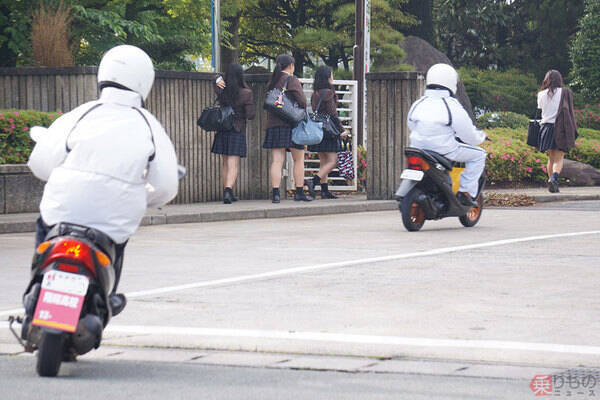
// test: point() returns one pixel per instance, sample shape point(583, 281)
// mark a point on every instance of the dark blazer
point(328, 104)
point(243, 107)
point(565, 127)
point(294, 91)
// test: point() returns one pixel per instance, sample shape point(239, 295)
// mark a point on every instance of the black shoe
point(465, 199)
point(276, 196)
point(311, 183)
point(227, 196)
point(302, 197)
point(328, 195)
point(117, 301)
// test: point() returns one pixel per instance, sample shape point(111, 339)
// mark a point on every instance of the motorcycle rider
point(437, 121)
point(107, 160)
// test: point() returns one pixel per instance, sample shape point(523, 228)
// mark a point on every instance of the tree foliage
point(585, 53)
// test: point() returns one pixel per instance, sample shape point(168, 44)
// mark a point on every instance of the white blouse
point(549, 105)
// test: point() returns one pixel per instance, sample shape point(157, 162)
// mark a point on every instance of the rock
point(421, 55)
point(580, 174)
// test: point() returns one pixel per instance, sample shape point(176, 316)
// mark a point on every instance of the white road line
point(351, 339)
point(318, 267)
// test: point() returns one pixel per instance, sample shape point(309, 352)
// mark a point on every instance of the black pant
point(42, 229)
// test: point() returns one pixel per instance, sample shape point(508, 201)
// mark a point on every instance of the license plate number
point(412, 175)
point(61, 300)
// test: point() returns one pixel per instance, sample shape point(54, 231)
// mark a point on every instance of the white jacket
point(101, 181)
point(436, 118)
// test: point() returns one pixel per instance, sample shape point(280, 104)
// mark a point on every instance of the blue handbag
point(307, 131)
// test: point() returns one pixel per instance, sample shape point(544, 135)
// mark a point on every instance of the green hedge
point(588, 117)
point(502, 119)
point(491, 90)
point(511, 160)
point(15, 144)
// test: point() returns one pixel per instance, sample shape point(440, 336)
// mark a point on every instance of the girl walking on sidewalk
point(233, 91)
point(559, 130)
point(279, 133)
point(324, 93)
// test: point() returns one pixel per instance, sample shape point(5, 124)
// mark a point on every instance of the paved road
point(351, 293)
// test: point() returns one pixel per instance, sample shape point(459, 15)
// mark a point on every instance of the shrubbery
point(588, 117)
point(15, 144)
point(491, 90)
point(502, 119)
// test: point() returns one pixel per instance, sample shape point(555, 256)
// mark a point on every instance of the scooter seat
point(448, 164)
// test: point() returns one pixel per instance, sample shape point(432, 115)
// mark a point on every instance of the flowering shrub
point(502, 119)
point(361, 163)
point(588, 117)
point(15, 144)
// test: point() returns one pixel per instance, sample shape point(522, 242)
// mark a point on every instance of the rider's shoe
point(117, 301)
point(465, 199)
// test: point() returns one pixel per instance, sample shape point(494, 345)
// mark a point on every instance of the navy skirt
point(280, 137)
point(547, 141)
point(327, 145)
point(230, 143)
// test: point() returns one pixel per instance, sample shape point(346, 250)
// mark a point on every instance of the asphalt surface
point(308, 307)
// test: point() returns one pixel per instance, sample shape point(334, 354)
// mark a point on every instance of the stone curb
point(21, 223)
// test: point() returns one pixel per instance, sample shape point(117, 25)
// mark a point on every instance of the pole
point(215, 28)
point(359, 51)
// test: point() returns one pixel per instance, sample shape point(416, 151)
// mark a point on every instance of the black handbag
point(282, 106)
point(330, 127)
point(533, 133)
point(216, 118)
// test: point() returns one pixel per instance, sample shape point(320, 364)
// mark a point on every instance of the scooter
point(67, 300)
point(428, 190)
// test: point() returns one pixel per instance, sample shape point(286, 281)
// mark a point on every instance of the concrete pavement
point(257, 209)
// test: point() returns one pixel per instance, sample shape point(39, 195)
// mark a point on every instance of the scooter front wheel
point(50, 354)
point(472, 217)
point(413, 215)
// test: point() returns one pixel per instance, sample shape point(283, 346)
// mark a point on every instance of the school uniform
point(558, 128)
point(233, 143)
point(328, 106)
point(279, 132)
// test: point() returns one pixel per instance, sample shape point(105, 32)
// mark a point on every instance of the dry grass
point(50, 36)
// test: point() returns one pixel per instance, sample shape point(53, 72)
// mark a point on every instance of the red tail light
point(417, 163)
point(72, 250)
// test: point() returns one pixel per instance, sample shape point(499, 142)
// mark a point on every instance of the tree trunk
point(231, 55)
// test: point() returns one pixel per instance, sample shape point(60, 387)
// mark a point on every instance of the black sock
point(316, 180)
point(299, 190)
point(555, 176)
point(324, 187)
point(275, 191)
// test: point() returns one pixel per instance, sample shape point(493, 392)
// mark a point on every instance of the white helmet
point(129, 67)
point(443, 75)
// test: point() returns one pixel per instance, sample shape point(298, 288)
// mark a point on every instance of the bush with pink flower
point(15, 144)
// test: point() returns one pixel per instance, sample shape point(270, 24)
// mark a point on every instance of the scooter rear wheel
point(413, 215)
point(50, 354)
point(474, 214)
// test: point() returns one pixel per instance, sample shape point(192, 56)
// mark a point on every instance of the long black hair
point(281, 62)
point(552, 81)
point(234, 81)
point(322, 78)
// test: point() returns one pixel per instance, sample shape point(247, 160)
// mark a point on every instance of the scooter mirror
point(181, 172)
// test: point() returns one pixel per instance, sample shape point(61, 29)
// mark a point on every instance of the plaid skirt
point(327, 145)
point(547, 141)
point(280, 137)
point(230, 143)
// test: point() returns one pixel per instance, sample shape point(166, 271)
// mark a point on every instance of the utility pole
point(215, 18)
point(362, 61)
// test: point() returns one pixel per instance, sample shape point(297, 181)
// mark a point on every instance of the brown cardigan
point(294, 91)
point(244, 108)
point(565, 127)
point(328, 105)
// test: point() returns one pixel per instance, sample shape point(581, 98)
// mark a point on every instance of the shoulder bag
point(282, 106)
point(533, 133)
point(307, 131)
point(345, 162)
point(216, 118)
point(330, 128)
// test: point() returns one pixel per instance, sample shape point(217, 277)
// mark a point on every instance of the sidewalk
point(255, 209)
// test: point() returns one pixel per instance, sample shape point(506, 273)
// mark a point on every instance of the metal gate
point(347, 94)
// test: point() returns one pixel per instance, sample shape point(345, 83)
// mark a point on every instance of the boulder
point(580, 174)
point(421, 55)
